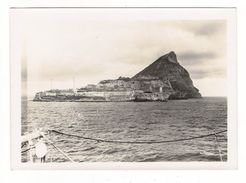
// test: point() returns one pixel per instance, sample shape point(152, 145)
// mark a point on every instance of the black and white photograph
point(122, 85)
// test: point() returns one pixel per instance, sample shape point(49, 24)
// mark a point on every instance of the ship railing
point(32, 138)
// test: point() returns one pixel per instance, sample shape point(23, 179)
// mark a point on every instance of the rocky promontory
point(164, 79)
point(167, 68)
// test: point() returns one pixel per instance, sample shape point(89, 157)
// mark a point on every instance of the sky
point(59, 46)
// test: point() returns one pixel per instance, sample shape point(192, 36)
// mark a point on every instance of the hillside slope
point(168, 68)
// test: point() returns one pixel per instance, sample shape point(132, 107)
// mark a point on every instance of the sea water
point(131, 121)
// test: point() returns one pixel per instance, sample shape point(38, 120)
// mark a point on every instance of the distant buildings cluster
point(121, 88)
point(122, 84)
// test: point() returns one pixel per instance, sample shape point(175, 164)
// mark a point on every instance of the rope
point(218, 146)
point(23, 145)
point(27, 150)
point(58, 149)
point(137, 142)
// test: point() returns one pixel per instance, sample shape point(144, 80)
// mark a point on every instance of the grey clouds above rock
point(193, 56)
point(62, 45)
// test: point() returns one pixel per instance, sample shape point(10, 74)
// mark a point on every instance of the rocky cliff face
point(167, 68)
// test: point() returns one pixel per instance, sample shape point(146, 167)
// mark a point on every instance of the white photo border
point(229, 14)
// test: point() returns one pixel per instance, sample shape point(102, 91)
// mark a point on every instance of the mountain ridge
point(168, 68)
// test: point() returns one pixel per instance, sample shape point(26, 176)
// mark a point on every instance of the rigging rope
point(59, 150)
point(27, 149)
point(136, 142)
point(218, 146)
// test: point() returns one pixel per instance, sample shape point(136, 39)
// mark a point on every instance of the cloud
point(204, 28)
point(208, 29)
point(207, 73)
point(102, 46)
point(194, 58)
point(197, 56)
